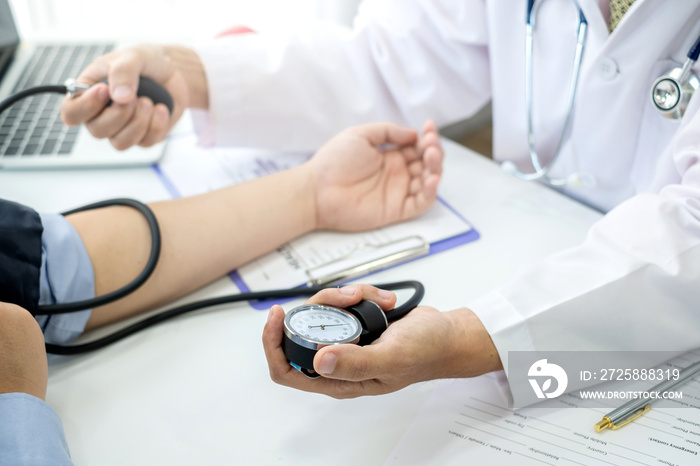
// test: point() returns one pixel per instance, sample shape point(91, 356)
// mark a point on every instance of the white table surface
point(196, 390)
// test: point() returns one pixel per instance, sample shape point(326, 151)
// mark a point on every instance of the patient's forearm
point(204, 237)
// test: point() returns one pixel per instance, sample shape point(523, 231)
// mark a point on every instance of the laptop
point(32, 135)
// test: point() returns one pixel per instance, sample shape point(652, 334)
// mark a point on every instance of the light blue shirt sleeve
point(66, 275)
point(31, 433)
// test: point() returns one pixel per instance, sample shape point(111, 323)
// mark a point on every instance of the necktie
point(618, 8)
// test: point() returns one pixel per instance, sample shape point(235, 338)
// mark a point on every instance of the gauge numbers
point(324, 324)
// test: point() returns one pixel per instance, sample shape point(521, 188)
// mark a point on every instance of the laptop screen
point(9, 38)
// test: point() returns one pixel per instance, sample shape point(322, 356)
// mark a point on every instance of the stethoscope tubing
point(542, 171)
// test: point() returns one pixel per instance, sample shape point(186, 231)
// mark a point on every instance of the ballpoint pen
point(632, 410)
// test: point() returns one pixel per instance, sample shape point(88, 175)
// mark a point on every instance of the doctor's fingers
point(123, 68)
point(359, 370)
point(111, 120)
point(86, 106)
point(282, 373)
point(353, 294)
point(272, 344)
point(148, 125)
point(160, 125)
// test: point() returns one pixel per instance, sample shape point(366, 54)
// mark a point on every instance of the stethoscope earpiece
point(581, 180)
point(576, 179)
point(509, 168)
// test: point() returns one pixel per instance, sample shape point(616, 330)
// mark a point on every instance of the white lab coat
point(408, 60)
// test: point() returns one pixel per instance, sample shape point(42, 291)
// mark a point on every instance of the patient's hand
point(372, 175)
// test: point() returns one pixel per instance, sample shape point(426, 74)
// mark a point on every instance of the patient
point(365, 177)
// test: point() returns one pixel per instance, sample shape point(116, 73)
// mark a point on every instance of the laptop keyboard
point(33, 126)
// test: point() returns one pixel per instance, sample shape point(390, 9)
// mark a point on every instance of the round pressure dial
point(310, 327)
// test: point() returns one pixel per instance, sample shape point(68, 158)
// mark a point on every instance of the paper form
point(467, 422)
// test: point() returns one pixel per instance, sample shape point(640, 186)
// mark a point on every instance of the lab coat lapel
point(597, 24)
point(663, 18)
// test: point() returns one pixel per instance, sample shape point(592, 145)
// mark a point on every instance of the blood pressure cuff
point(20, 255)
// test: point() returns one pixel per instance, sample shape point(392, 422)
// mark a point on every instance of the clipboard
point(395, 252)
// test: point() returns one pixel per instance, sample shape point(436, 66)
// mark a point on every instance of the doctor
point(639, 268)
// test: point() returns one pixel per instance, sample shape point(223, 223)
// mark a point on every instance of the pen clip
point(607, 422)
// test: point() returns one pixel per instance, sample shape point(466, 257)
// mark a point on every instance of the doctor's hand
point(131, 120)
point(424, 345)
point(372, 175)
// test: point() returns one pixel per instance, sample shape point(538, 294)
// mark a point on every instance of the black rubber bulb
point(154, 91)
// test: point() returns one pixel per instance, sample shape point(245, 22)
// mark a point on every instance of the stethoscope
point(670, 95)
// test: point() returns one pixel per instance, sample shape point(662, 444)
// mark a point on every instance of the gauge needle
point(323, 326)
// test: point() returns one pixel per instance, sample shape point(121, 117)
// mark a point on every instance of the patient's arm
point(350, 184)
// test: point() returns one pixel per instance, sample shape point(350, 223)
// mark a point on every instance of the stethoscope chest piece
point(672, 91)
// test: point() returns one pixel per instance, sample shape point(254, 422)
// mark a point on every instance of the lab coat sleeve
point(404, 61)
point(633, 285)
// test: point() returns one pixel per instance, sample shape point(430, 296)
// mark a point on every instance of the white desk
point(196, 390)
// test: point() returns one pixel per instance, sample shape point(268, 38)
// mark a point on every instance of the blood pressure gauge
point(310, 327)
